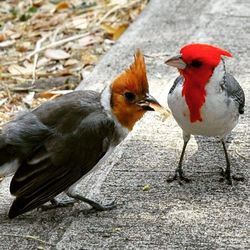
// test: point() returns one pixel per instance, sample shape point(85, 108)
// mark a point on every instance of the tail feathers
point(20, 206)
point(17, 208)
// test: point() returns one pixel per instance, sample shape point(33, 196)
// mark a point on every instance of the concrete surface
point(204, 214)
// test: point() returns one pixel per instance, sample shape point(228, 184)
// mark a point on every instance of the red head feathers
point(200, 60)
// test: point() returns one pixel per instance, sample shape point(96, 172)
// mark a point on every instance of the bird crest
point(204, 52)
point(134, 78)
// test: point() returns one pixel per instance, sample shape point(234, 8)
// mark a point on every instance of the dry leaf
point(119, 30)
point(15, 69)
point(2, 37)
point(88, 58)
point(23, 47)
point(78, 22)
point(56, 54)
point(37, 3)
point(89, 40)
point(46, 95)
point(28, 65)
point(7, 43)
point(42, 62)
point(71, 62)
point(16, 35)
point(53, 93)
point(108, 28)
point(62, 6)
point(114, 32)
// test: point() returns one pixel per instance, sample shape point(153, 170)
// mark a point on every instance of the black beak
point(176, 62)
point(147, 101)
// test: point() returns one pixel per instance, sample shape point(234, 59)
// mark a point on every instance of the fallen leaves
point(115, 31)
point(44, 42)
point(62, 6)
point(56, 54)
point(16, 70)
point(7, 43)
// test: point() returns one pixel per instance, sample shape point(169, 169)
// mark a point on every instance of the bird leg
point(227, 172)
point(94, 204)
point(179, 176)
point(58, 203)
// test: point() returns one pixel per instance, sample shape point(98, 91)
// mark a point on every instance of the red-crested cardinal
point(204, 99)
point(52, 147)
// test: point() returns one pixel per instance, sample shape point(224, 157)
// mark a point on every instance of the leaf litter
point(48, 46)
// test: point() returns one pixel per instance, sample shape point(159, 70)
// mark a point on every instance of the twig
point(8, 94)
point(115, 8)
point(38, 46)
point(42, 74)
point(55, 44)
point(29, 237)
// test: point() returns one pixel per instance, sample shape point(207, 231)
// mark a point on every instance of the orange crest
point(133, 79)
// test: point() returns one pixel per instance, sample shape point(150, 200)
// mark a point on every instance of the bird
point(205, 99)
point(49, 149)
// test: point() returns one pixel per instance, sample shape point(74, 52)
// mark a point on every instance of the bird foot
point(57, 204)
point(103, 207)
point(226, 175)
point(179, 176)
point(97, 206)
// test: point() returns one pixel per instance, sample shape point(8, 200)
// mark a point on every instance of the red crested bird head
point(196, 63)
point(130, 97)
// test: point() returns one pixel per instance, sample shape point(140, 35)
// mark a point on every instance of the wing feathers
point(60, 161)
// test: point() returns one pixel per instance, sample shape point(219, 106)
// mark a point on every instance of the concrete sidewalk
point(204, 214)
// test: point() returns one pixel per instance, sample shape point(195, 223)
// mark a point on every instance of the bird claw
point(229, 177)
point(105, 207)
point(179, 176)
point(95, 205)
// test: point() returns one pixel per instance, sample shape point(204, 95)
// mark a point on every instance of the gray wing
point(74, 146)
point(234, 90)
point(178, 80)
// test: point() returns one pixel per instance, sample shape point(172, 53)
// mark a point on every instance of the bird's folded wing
point(178, 80)
point(60, 161)
point(234, 90)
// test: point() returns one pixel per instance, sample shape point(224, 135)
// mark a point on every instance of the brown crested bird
point(52, 147)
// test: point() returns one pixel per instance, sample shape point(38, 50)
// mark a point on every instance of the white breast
point(219, 113)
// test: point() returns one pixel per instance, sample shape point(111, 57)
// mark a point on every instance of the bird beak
point(176, 62)
point(148, 103)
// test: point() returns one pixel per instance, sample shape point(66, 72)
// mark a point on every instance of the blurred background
point(48, 46)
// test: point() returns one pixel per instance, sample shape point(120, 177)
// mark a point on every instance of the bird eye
point(130, 96)
point(196, 63)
